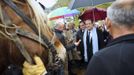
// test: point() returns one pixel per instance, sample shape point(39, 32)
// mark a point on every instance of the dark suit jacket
point(101, 43)
point(101, 39)
point(116, 59)
point(79, 36)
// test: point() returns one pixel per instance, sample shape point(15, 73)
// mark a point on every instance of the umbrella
point(83, 3)
point(61, 13)
point(94, 14)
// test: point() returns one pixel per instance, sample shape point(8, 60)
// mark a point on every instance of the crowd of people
point(100, 51)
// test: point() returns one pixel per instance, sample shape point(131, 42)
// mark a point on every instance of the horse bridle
point(44, 41)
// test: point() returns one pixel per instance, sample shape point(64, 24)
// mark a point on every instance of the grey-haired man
point(118, 57)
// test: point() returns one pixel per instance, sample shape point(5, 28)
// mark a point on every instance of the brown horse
point(9, 51)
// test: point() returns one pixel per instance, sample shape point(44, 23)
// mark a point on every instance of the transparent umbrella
point(83, 3)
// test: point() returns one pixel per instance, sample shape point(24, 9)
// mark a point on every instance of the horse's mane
point(42, 25)
point(40, 19)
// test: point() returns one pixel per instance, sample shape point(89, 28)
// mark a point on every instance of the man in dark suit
point(86, 48)
point(79, 36)
point(118, 57)
point(93, 40)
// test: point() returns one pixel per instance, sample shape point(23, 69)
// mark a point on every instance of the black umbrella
point(83, 3)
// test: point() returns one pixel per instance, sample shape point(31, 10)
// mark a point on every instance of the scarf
point(93, 35)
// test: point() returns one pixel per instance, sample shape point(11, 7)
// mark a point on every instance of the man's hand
point(77, 43)
point(37, 69)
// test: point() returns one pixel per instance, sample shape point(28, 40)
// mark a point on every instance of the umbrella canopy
point(93, 14)
point(83, 3)
point(61, 13)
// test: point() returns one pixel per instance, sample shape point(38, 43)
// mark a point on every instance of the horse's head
point(31, 37)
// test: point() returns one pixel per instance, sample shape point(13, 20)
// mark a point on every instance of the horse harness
point(55, 62)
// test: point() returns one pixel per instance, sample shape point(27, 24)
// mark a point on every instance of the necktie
point(88, 38)
point(89, 46)
point(87, 50)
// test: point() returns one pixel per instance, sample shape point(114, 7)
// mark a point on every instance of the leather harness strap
point(55, 58)
point(31, 36)
point(22, 15)
point(21, 47)
point(30, 24)
point(6, 21)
